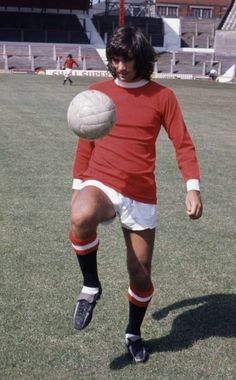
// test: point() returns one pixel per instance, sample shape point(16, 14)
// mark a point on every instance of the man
point(115, 176)
point(213, 74)
point(68, 66)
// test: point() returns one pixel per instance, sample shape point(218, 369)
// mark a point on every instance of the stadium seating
point(46, 56)
point(228, 22)
point(225, 41)
point(10, 34)
point(48, 4)
point(199, 33)
point(152, 27)
point(41, 27)
point(65, 30)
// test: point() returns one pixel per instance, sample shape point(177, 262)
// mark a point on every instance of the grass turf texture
point(190, 324)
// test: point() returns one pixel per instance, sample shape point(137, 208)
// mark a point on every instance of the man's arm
point(75, 63)
point(185, 154)
point(177, 132)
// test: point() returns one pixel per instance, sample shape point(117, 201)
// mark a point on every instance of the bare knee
point(89, 207)
point(83, 222)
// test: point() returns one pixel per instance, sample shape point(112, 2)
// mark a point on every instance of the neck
point(134, 84)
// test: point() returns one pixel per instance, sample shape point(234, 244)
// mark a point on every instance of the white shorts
point(68, 73)
point(133, 215)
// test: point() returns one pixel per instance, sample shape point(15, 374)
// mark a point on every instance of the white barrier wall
point(81, 73)
point(171, 34)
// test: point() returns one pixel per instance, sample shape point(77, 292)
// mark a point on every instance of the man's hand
point(194, 204)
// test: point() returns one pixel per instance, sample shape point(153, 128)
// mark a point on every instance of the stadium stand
point(47, 4)
point(228, 22)
point(198, 33)
point(21, 57)
point(225, 39)
point(37, 37)
point(197, 64)
point(152, 27)
point(41, 27)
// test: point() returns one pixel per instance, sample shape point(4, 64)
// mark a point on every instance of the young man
point(115, 176)
point(68, 66)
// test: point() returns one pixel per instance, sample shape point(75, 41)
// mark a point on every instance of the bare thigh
point(89, 207)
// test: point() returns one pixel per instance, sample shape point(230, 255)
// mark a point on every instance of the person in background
point(67, 67)
point(213, 74)
point(114, 176)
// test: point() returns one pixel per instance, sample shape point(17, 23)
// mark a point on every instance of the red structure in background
point(122, 13)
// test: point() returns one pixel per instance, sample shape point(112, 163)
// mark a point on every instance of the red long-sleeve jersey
point(69, 63)
point(125, 158)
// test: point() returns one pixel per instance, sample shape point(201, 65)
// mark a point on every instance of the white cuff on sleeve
point(76, 183)
point(193, 184)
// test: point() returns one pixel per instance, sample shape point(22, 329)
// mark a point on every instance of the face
point(125, 69)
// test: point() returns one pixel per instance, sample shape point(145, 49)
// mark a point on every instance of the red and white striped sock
point(83, 247)
point(138, 303)
point(140, 298)
point(86, 252)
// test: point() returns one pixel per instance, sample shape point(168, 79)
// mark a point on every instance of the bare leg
point(139, 256)
point(89, 207)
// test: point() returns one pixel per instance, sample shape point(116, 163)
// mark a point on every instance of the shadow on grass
point(212, 315)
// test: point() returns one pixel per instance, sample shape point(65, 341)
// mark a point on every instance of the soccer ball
point(91, 114)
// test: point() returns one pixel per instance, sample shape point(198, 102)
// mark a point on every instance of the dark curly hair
point(127, 42)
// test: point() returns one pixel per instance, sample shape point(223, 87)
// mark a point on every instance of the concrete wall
point(225, 42)
point(171, 34)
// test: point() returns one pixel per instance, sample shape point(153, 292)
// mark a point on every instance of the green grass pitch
point(190, 325)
